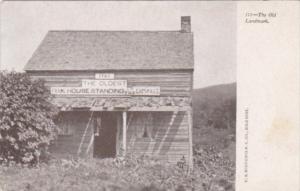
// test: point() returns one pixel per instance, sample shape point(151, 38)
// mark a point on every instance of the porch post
point(124, 132)
point(190, 122)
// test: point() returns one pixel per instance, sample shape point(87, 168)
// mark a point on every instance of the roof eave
point(108, 70)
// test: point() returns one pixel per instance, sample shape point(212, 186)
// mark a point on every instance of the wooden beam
point(161, 108)
point(85, 132)
point(118, 135)
point(124, 114)
point(190, 121)
point(87, 152)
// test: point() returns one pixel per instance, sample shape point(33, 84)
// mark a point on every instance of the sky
point(25, 24)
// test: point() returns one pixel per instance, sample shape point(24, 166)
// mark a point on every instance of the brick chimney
point(185, 24)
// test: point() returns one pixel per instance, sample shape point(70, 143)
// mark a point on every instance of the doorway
point(105, 134)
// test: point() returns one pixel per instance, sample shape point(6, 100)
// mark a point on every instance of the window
point(142, 124)
point(97, 126)
point(65, 124)
point(148, 126)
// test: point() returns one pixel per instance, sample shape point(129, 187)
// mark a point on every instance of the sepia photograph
point(134, 96)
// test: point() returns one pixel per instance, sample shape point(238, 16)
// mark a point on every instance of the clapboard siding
point(69, 144)
point(169, 139)
point(172, 83)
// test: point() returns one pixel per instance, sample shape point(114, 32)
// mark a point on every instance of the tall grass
point(130, 173)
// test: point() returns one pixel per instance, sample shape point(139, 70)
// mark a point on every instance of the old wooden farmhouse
point(120, 92)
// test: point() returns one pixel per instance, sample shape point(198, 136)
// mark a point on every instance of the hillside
point(207, 100)
point(214, 110)
point(214, 94)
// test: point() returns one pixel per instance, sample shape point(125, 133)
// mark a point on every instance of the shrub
point(133, 174)
point(216, 171)
point(26, 125)
point(224, 115)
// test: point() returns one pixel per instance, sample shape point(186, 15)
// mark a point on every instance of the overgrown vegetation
point(130, 173)
point(214, 135)
point(215, 170)
point(26, 126)
point(215, 107)
point(214, 148)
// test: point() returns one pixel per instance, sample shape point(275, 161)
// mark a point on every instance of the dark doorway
point(105, 131)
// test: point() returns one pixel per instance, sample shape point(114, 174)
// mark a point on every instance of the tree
point(224, 116)
point(26, 118)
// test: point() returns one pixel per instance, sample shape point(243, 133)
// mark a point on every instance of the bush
point(125, 173)
point(216, 171)
point(26, 125)
point(224, 115)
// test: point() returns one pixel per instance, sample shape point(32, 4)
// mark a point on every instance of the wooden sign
point(104, 76)
point(106, 88)
point(105, 84)
point(144, 90)
point(88, 91)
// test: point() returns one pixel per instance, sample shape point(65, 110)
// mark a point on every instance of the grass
point(214, 165)
point(212, 172)
point(89, 174)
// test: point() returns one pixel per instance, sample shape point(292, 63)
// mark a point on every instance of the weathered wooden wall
point(68, 144)
point(172, 83)
point(169, 136)
point(169, 130)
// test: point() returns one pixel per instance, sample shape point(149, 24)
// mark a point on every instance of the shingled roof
point(113, 50)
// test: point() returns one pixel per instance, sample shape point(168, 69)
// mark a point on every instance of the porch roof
point(122, 103)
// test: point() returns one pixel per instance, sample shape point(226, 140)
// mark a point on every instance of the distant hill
point(209, 99)
point(214, 118)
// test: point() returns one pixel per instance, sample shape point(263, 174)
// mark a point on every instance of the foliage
point(130, 173)
point(214, 110)
point(216, 171)
point(215, 107)
point(26, 126)
point(212, 172)
point(224, 116)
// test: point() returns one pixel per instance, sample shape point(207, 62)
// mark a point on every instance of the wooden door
point(105, 132)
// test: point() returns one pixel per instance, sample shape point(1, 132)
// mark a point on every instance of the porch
point(109, 127)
